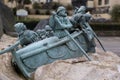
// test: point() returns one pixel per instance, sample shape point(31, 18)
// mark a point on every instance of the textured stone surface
point(7, 72)
point(7, 20)
point(105, 66)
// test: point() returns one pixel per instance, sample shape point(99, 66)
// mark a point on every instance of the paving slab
point(110, 44)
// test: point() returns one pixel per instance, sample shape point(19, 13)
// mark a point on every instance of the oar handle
point(84, 53)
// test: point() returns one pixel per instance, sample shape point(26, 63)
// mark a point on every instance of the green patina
point(61, 39)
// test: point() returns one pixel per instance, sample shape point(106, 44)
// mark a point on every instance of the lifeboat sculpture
point(34, 49)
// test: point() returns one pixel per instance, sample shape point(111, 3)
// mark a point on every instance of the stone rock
point(103, 67)
point(8, 20)
point(3, 77)
point(7, 71)
point(41, 24)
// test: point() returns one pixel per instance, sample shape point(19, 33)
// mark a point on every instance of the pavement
point(110, 44)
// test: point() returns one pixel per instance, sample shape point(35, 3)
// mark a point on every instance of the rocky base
point(7, 72)
point(104, 66)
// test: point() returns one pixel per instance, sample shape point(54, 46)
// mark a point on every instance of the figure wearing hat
point(81, 18)
point(60, 22)
point(25, 36)
point(77, 16)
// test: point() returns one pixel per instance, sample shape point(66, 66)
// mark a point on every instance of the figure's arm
point(11, 48)
point(85, 19)
point(58, 23)
point(69, 24)
point(62, 25)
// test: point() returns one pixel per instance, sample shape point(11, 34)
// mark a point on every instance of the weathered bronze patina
point(61, 39)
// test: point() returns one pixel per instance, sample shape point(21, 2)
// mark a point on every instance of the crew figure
point(25, 36)
point(59, 22)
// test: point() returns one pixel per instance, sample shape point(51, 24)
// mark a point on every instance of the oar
point(95, 36)
point(84, 53)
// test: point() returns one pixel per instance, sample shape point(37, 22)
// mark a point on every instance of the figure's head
point(20, 27)
point(87, 16)
point(82, 10)
point(61, 11)
point(48, 28)
point(41, 31)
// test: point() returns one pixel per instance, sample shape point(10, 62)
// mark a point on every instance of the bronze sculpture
point(55, 42)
